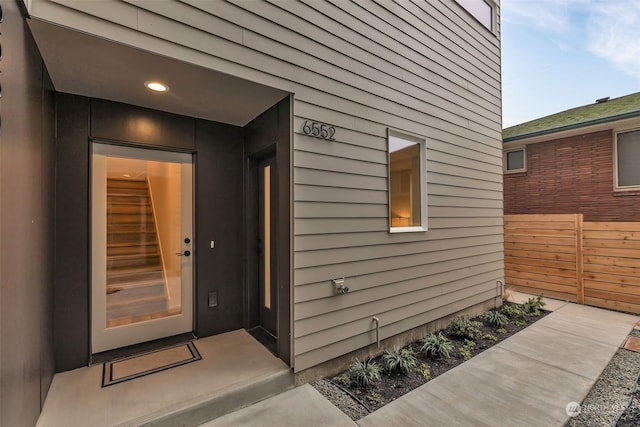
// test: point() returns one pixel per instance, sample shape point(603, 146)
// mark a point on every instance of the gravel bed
point(606, 402)
point(343, 401)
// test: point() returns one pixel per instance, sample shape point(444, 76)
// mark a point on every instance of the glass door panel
point(141, 245)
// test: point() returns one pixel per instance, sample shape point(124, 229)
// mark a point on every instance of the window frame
point(422, 142)
point(616, 186)
point(505, 163)
point(494, 15)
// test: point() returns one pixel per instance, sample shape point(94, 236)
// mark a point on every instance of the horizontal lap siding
point(424, 67)
point(341, 210)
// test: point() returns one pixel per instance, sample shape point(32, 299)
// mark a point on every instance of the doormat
point(137, 366)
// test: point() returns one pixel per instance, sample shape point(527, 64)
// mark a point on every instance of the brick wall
point(571, 175)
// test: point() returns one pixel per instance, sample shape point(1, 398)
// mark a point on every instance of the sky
point(560, 54)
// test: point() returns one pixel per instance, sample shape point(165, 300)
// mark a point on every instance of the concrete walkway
point(526, 380)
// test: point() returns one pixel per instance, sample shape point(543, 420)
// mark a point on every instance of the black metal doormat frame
point(107, 368)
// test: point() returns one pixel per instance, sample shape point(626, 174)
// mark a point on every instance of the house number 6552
point(319, 130)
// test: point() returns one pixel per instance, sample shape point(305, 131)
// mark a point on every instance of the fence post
point(579, 259)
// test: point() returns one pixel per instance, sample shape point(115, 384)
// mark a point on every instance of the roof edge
point(572, 127)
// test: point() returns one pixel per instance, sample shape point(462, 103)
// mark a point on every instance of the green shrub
point(374, 398)
point(491, 337)
point(501, 330)
point(513, 312)
point(463, 327)
point(425, 371)
point(364, 374)
point(344, 380)
point(466, 349)
point(533, 305)
point(436, 345)
point(399, 360)
point(495, 318)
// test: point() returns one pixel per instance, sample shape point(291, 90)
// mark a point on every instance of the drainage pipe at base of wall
point(375, 319)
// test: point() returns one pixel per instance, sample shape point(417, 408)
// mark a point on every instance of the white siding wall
point(422, 66)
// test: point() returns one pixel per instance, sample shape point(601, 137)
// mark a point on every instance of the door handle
point(185, 253)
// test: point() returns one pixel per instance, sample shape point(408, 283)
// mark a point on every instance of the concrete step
point(225, 401)
point(302, 406)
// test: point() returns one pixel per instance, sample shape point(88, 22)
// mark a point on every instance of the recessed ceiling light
point(157, 86)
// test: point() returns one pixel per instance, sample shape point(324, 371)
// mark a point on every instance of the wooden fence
point(561, 256)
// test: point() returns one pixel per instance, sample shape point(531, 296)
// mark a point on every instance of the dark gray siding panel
point(26, 231)
point(137, 125)
point(283, 157)
point(71, 295)
point(219, 204)
point(48, 199)
point(269, 132)
point(266, 135)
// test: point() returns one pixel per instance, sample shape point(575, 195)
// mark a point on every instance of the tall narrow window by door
point(266, 209)
point(267, 280)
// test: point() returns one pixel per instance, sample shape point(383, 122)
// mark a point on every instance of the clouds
point(614, 34)
point(609, 29)
point(554, 16)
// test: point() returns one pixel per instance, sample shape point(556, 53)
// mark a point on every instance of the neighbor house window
point(627, 151)
point(407, 183)
point(515, 161)
point(482, 10)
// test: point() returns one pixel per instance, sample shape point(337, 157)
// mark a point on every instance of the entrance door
point(142, 250)
point(268, 289)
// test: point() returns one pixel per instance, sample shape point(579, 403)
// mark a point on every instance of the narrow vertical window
point(407, 183)
point(267, 236)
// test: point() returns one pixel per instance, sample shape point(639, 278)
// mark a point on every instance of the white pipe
point(375, 319)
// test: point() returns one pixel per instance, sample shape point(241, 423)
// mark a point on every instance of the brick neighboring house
point(583, 160)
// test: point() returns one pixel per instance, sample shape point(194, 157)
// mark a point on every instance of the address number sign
point(319, 130)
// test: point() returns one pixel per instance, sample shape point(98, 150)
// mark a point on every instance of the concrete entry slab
point(235, 371)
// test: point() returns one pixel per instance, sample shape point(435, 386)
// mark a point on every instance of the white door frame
point(103, 338)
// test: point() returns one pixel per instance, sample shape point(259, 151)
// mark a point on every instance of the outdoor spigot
point(340, 287)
